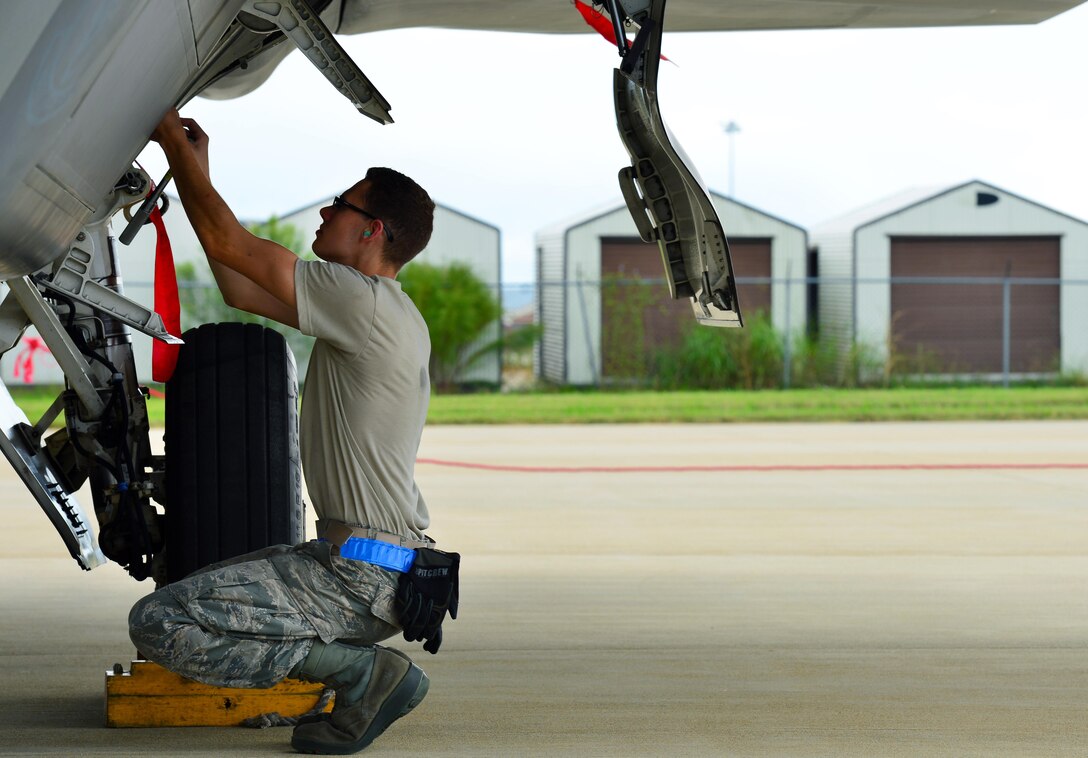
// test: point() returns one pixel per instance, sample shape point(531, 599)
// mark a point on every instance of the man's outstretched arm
point(254, 274)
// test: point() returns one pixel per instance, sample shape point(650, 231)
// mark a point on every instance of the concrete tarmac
point(810, 612)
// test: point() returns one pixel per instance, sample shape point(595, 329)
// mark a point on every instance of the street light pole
point(731, 130)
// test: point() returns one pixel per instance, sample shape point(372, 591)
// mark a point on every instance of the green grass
point(35, 401)
point(768, 405)
point(913, 404)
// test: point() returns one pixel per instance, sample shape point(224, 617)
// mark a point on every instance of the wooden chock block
point(148, 695)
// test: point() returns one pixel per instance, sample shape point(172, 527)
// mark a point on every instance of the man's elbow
point(232, 300)
point(238, 300)
point(226, 244)
point(221, 251)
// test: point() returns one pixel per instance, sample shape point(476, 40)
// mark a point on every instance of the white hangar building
point(456, 238)
point(881, 265)
point(574, 258)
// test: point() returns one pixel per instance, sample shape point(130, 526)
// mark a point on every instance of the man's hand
point(253, 274)
point(168, 128)
point(176, 133)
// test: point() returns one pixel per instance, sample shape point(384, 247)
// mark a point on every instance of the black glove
point(427, 591)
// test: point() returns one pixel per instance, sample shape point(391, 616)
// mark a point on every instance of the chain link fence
point(813, 331)
point(803, 331)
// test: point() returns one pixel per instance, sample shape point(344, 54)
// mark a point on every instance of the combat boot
point(374, 687)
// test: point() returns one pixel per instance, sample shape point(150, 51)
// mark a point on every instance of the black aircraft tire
point(233, 472)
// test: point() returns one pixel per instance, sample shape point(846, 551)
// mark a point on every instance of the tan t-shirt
point(365, 398)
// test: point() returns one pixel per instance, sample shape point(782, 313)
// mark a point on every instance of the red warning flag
point(164, 357)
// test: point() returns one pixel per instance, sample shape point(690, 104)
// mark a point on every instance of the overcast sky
point(519, 130)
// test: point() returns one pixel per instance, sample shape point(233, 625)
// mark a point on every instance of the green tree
point(202, 303)
point(457, 306)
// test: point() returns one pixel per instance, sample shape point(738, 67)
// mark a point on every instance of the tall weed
point(712, 358)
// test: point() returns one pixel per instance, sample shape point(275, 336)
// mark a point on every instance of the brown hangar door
point(957, 328)
point(638, 317)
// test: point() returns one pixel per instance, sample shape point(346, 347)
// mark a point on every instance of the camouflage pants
point(248, 621)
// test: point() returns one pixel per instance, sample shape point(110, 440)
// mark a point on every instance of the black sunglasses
point(339, 202)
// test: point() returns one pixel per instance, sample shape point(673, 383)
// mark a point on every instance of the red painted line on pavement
point(755, 468)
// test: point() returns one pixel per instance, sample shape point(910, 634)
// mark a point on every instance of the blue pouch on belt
point(384, 554)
